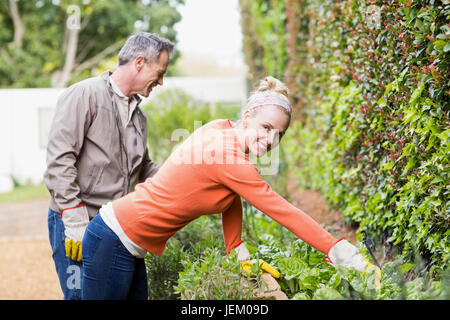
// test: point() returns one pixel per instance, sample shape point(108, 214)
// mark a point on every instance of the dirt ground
point(27, 270)
point(313, 203)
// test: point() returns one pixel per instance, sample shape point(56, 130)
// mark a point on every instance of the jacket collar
point(105, 76)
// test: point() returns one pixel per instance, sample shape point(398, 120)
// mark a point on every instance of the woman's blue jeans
point(110, 271)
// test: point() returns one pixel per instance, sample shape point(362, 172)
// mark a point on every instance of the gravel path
point(27, 270)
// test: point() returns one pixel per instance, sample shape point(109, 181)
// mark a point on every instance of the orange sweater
point(207, 174)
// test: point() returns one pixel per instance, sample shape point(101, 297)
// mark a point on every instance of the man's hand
point(75, 221)
point(73, 249)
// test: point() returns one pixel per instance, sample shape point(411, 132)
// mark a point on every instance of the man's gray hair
point(145, 44)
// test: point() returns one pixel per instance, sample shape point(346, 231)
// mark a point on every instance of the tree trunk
point(19, 28)
point(62, 77)
point(65, 74)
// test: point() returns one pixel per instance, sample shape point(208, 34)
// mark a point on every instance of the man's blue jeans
point(110, 271)
point(69, 271)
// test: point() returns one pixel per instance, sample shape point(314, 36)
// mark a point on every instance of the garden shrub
point(370, 84)
point(187, 244)
point(216, 277)
point(162, 272)
point(306, 276)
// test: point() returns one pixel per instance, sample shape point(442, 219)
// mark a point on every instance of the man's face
point(149, 75)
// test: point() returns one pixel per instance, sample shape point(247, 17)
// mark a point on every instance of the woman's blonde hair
point(270, 83)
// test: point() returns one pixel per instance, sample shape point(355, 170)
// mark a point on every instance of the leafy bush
point(195, 265)
point(215, 277)
point(305, 275)
point(370, 83)
point(188, 244)
point(162, 272)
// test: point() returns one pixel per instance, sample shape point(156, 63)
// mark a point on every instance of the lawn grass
point(24, 193)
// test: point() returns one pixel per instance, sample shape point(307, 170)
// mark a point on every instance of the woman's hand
point(343, 253)
point(242, 252)
point(243, 255)
point(264, 266)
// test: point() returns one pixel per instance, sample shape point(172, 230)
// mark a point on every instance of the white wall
point(23, 154)
point(26, 114)
point(210, 89)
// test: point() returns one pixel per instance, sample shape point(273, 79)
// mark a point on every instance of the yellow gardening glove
point(377, 272)
point(73, 249)
point(268, 268)
point(75, 221)
point(246, 266)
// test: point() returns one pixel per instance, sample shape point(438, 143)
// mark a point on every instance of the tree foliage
point(47, 43)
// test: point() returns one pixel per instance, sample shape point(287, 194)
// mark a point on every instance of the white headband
point(264, 98)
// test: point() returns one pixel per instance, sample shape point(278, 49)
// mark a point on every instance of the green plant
point(215, 277)
point(305, 275)
point(303, 269)
point(203, 271)
point(162, 272)
point(187, 244)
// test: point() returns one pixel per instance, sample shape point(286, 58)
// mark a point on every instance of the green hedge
point(370, 82)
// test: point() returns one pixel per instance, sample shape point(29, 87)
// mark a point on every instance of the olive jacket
point(87, 163)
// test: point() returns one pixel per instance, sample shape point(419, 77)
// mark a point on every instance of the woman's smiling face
point(263, 128)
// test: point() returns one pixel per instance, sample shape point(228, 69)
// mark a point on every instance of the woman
point(207, 174)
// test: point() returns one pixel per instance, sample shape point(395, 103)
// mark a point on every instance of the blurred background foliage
point(174, 110)
point(54, 43)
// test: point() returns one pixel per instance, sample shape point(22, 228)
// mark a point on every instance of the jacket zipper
point(122, 144)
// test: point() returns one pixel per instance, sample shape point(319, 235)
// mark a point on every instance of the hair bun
point(270, 83)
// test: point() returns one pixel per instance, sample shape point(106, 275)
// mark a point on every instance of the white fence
point(26, 115)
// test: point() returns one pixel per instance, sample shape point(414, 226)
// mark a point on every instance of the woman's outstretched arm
point(244, 179)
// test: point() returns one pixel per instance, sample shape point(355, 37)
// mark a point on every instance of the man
point(97, 149)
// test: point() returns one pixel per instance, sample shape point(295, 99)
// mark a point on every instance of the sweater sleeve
point(232, 224)
point(243, 178)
